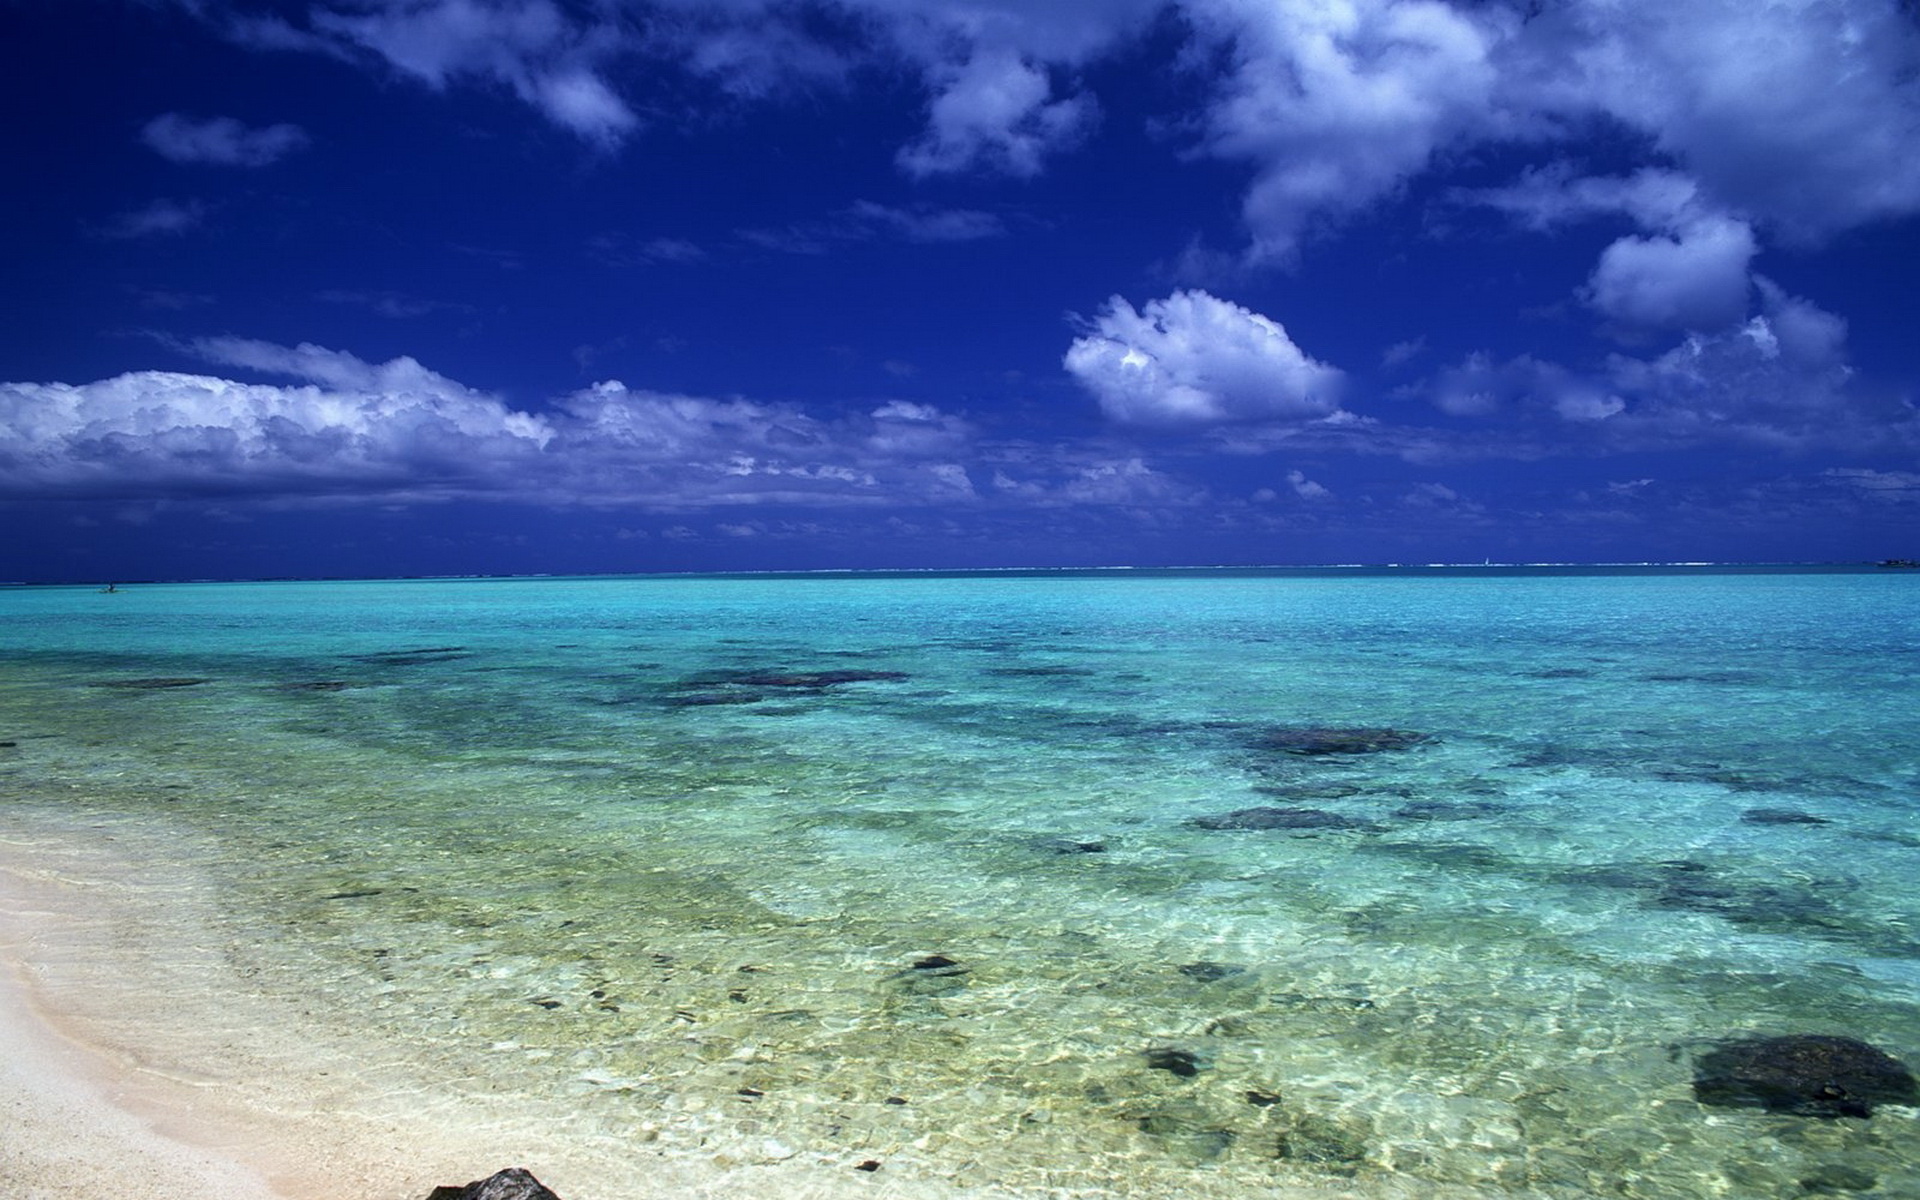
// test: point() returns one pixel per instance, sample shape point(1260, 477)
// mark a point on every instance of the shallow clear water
point(671, 849)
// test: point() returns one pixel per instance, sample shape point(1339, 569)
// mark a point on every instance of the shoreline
point(133, 1060)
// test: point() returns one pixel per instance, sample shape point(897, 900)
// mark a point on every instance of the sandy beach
point(132, 1062)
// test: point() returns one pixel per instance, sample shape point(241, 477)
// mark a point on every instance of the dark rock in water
point(318, 685)
point(1318, 740)
point(1809, 1075)
point(1061, 845)
point(1184, 1063)
point(932, 977)
point(1210, 972)
point(1834, 1178)
point(1187, 1130)
point(514, 1183)
point(1702, 677)
point(1781, 816)
point(156, 684)
point(414, 658)
point(1279, 818)
point(1321, 1142)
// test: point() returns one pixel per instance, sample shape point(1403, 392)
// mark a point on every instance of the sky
point(424, 287)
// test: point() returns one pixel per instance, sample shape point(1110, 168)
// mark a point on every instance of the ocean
point(1187, 883)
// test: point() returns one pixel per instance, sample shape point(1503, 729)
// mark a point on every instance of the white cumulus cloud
point(1336, 103)
point(1192, 358)
point(1693, 279)
point(156, 433)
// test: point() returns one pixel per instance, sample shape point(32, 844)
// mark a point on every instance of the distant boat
point(109, 588)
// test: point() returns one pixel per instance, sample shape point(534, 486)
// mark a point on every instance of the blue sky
point(370, 287)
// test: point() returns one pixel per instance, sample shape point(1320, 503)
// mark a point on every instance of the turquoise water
point(670, 848)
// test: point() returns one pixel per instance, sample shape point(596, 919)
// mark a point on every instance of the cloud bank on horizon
point(1656, 160)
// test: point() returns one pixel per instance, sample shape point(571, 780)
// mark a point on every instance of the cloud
point(995, 112)
point(157, 433)
point(1696, 279)
point(1885, 487)
point(1336, 105)
point(1479, 387)
point(220, 140)
point(1798, 114)
point(1306, 488)
point(529, 46)
point(925, 224)
point(1795, 118)
point(160, 218)
point(1689, 271)
point(1546, 198)
point(1193, 359)
point(350, 430)
point(330, 368)
point(866, 221)
point(1401, 353)
point(1780, 380)
point(672, 250)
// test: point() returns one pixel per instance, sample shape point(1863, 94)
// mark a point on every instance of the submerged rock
point(932, 976)
point(1322, 1142)
point(1809, 1075)
point(1318, 739)
point(1265, 817)
point(1781, 816)
point(1069, 846)
point(1210, 972)
point(514, 1183)
point(413, 658)
point(1682, 885)
point(1184, 1063)
point(1834, 1178)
